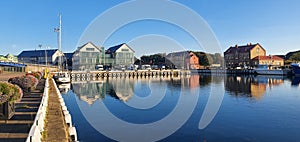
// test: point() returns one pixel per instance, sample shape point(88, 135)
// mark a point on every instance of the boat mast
point(59, 43)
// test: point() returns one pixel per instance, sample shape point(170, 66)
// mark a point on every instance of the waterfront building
point(87, 56)
point(241, 56)
point(179, 60)
point(194, 61)
point(40, 56)
point(9, 58)
point(268, 60)
point(119, 56)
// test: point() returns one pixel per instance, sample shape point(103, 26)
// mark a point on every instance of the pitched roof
point(37, 53)
point(85, 45)
point(115, 48)
point(242, 48)
point(267, 58)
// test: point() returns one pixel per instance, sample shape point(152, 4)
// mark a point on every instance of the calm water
point(253, 109)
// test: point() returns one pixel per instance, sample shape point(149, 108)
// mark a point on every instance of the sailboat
point(61, 77)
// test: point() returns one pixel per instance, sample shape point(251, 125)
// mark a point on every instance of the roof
point(242, 48)
point(115, 48)
point(37, 53)
point(12, 64)
point(267, 58)
point(85, 45)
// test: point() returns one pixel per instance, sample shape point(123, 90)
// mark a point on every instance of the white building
point(87, 56)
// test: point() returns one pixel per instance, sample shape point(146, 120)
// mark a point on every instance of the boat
point(296, 69)
point(62, 77)
point(269, 70)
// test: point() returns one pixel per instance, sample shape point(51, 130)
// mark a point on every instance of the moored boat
point(63, 77)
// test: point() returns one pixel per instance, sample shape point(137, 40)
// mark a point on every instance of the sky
point(25, 24)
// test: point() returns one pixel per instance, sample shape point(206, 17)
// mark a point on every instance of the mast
point(58, 31)
point(59, 43)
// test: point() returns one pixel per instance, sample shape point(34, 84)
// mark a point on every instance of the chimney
point(250, 43)
point(236, 46)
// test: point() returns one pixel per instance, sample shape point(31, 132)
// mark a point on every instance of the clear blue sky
point(25, 24)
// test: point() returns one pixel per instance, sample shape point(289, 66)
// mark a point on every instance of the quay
point(86, 75)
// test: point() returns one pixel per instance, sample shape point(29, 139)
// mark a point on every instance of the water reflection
point(251, 86)
point(89, 92)
point(124, 89)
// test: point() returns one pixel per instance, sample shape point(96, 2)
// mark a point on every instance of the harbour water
point(253, 108)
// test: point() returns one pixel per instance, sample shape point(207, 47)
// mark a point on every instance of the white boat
point(268, 70)
point(63, 77)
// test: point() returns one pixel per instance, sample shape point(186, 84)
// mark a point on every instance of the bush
point(9, 92)
point(37, 75)
point(26, 82)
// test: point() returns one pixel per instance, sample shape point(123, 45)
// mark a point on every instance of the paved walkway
point(55, 128)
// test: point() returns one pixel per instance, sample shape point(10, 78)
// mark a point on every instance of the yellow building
point(241, 56)
point(268, 60)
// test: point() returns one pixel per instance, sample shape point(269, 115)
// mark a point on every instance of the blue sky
point(275, 24)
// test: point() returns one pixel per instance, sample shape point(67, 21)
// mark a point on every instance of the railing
point(67, 116)
point(37, 128)
point(36, 131)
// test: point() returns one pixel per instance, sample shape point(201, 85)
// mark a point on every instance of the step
point(32, 99)
point(16, 121)
point(25, 113)
point(28, 102)
point(13, 135)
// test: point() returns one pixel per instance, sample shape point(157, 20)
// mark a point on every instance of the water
point(253, 109)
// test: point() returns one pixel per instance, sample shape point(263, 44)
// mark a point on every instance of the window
point(90, 49)
point(125, 49)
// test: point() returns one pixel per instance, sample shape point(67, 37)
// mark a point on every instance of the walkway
point(55, 128)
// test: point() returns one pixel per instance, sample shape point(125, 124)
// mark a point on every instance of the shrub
point(26, 82)
point(9, 92)
point(37, 75)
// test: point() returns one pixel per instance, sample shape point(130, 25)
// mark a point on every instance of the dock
point(55, 128)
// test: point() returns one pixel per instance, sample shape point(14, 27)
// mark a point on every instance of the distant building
point(9, 58)
point(38, 56)
point(87, 56)
point(179, 60)
point(268, 60)
point(194, 61)
point(119, 55)
point(241, 56)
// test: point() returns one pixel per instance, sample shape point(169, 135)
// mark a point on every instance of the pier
point(94, 75)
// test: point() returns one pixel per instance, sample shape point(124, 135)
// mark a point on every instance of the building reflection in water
point(88, 92)
point(249, 86)
point(123, 89)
